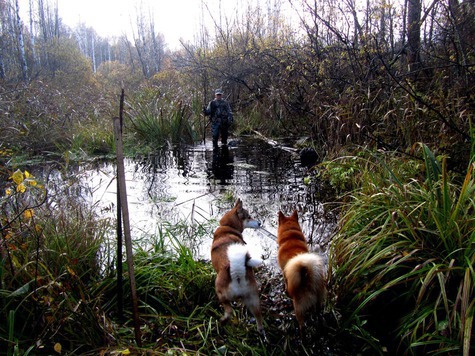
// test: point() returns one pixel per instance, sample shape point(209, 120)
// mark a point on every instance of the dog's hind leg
point(221, 285)
point(252, 302)
point(228, 310)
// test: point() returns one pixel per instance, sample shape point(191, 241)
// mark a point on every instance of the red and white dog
point(233, 263)
point(304, 272)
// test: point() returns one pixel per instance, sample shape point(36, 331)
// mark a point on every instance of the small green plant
point(94, 138)
point(403, 260)
point(342, 173)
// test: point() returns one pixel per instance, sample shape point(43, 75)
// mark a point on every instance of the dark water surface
point(196, 185)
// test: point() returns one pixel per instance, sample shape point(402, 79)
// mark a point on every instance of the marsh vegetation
point(384, 98)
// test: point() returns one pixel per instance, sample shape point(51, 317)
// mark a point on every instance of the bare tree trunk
point(42, 20)
point(21, 43)
point(382, 22)
point(2, 66)
point(456, 18)
point(44, 31)
point(131, 53)
point(156, 50)
point(56, 20)
point(414, 34)
point(357, 27)
point(3, 43)
point(32, 34)
point(140, 45)
point(128, 239)
point(93, 52)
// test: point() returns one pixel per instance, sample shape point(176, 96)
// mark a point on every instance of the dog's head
point(290, 222)
point(239, 218)
point(292, 219)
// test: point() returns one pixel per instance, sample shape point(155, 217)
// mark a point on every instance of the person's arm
point(230, 114)
point(207, 109)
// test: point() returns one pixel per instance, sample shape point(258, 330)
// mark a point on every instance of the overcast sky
point(174, 19)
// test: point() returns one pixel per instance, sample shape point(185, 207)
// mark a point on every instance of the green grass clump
point(403, 260)
point(157, 121)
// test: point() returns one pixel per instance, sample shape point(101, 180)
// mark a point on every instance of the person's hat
point(218, 91)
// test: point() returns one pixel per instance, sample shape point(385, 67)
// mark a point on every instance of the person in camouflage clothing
point(221, 117)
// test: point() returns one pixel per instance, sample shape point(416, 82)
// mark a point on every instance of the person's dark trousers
point(217, 128)
point(224, 133)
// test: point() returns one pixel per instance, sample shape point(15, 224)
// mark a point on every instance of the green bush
point(403, 260)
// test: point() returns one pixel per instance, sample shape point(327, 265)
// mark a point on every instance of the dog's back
point(305, 283)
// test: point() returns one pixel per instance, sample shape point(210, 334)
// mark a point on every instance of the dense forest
point(343, 77)
point(382, 73)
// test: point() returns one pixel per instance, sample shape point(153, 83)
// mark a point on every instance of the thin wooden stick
point(120, 282)
point(125, 215)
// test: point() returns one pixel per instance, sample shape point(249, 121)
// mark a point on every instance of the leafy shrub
point(352, 171)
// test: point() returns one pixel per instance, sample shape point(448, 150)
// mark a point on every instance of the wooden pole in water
point(125, 216)
point(120, 283)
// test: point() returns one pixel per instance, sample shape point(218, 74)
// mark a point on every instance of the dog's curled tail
point(305, 280)
point(239, 259)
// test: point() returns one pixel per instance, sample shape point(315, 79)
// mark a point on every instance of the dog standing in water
point(233, 264)
point(304, 272)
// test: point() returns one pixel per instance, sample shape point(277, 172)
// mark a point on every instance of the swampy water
point(195, 185)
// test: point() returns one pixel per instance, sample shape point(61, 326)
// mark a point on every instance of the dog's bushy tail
point(239, 259)
point(305, 281)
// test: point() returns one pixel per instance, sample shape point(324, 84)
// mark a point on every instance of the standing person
point(221, 117)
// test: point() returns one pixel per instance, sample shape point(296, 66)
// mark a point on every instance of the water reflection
point(222, 168)
point(189, 184)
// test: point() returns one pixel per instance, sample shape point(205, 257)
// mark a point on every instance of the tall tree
point(20, 42)
point(414, 34)
point(32, 32)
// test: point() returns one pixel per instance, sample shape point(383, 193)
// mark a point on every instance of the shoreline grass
point(403, 257)
point(406, 250)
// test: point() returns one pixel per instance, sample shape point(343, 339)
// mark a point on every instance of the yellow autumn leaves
point(22, 180)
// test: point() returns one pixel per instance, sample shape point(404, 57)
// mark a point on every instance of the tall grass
point(158, 121)
point(92, 138)
point(403, 259)
point(50, 257)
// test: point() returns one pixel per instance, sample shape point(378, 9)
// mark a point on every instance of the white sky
point(109, 18)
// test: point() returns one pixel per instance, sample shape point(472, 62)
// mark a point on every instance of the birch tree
point(21, 43)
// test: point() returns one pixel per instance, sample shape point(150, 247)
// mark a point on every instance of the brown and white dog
point(304, 272)
point(231, 260)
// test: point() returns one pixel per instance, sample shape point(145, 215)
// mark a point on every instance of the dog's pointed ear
point(295, 215)
point(238, 203)
point(281, 216)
